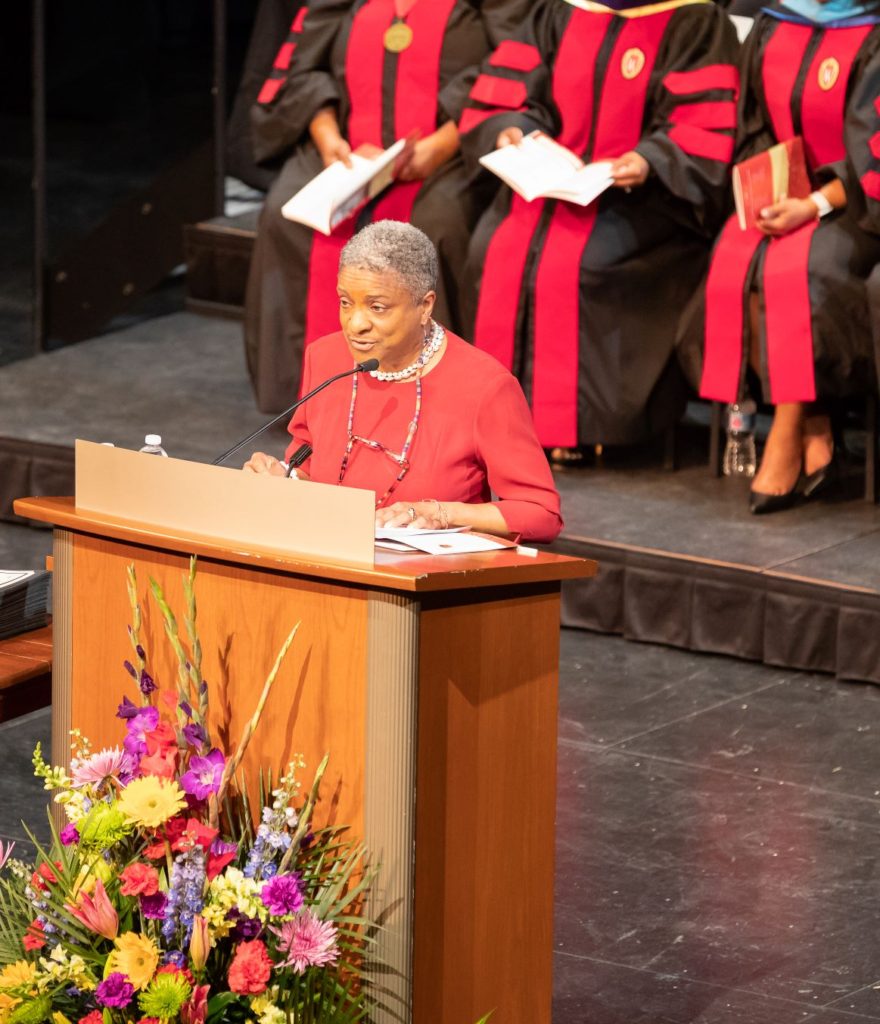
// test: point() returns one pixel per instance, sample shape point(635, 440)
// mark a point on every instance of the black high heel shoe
point(761, 504)
point(816, 483)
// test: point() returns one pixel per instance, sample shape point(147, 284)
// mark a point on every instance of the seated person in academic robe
point(439, 428)
point(361, 74)
point(787, 298)
point(582, 303)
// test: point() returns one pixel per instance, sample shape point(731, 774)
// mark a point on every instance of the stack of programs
point(24, 601)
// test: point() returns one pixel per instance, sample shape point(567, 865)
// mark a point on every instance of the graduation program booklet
point(339, 190)
point(780, 172)
point(538, 167)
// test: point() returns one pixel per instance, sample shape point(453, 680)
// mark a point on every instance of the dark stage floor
point(717, 839)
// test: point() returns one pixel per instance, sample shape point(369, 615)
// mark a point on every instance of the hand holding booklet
point(537, 167)
point(338, 190)
point(780, 172)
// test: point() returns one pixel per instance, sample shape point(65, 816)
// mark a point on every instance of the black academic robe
point(336, 56)
point(814, 328)
point(582, 304)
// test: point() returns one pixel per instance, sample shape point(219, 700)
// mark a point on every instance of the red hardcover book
point(778, 173)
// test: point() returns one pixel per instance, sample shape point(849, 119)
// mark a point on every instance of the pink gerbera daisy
point(307, 942)
point(95, 769)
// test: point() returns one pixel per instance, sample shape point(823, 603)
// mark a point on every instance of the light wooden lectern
point(432, 683)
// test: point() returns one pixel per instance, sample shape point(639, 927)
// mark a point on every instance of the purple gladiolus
point(146, 683)
point(69, 835)
point(115, 990)
point(282, 895)
point(127, 709)
point(204, 775)
point(195, 735)
point(130, 669)
point(143, 721)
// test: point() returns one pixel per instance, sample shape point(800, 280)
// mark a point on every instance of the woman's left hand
point(422, 515)
point(630, 170)
point(430, 153)
point(786, 215)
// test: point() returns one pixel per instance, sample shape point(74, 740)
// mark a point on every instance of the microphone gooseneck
point(365, 367)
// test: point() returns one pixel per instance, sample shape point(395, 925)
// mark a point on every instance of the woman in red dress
point(441, 431)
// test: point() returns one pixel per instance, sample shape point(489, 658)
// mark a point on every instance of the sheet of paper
point(585, 185)
point(538, 166)
point(532, 166)
point(9, 577)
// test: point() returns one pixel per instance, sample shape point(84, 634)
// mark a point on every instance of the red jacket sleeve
point(516, 466)
point(298, 428)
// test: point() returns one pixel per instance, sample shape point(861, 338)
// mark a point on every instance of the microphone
point(365, 367)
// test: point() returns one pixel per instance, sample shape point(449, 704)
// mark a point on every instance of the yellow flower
point(135, 956)
point(59, 1018)
point(18, 974)
point(266, 1010)
point(151, 801)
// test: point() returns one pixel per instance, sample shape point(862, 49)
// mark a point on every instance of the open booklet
point(339, 190)
point(457, 541)
point(538, 167)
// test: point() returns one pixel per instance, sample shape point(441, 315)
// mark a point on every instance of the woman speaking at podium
point(439, 427)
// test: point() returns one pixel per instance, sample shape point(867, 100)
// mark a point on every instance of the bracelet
point(823, 206)
point(441, 512)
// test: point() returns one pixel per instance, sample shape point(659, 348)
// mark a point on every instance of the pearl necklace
point(433, 341)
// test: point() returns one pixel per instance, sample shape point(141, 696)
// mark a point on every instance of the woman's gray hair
point(391, 246)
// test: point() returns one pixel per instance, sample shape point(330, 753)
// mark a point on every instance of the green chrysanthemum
point(34, 1011)
point(104, 825)
point(164, 996)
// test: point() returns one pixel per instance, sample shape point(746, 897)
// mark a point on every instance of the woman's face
point(380, 319)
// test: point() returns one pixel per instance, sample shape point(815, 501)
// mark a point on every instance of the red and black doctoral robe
point(814, 330)
point(581, 303)
point(336, 56)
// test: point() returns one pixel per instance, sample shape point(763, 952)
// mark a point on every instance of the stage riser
point(218, 256)
point(658, 597)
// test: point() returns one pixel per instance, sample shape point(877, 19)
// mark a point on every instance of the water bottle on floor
point(153, 446)
point(739, 452)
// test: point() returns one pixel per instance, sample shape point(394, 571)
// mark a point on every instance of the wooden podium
point(432, 682)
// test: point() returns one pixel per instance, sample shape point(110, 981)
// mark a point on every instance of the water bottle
point(739, 452)
point(153, 445)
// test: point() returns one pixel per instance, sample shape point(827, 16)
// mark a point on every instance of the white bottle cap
point(153, 439)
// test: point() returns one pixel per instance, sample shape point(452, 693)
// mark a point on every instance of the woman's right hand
point(325, 133)
point(509, 137)
point(264, 464)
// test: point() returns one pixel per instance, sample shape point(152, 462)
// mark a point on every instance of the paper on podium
point(246, 511)
point(458, 541)
point(339, 190)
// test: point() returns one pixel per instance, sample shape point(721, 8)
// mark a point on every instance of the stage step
point(218, 255)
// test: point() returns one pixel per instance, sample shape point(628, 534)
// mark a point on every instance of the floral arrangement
point(161, 899)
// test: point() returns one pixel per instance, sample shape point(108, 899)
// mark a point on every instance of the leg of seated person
point(818, 442)
point(783, 453)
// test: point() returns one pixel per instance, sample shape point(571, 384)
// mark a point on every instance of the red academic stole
point(415, 110)
point(788, 320)
point(618, 122)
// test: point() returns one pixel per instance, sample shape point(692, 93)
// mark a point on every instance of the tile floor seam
point(597, 748)
point(872, 987)
point(693, 714)
point(711, 984)
point(830, 547)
